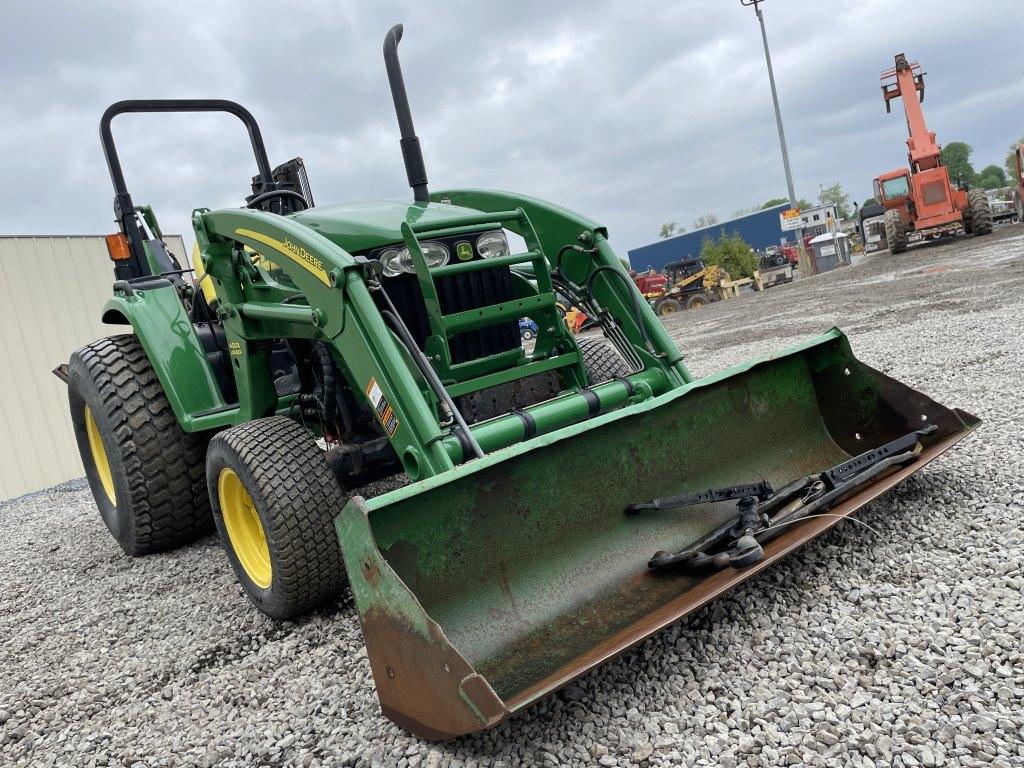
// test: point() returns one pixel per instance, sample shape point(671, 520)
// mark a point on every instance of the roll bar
point(124, 208)
point(410, 143)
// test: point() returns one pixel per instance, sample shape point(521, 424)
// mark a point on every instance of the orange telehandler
point(922, 199)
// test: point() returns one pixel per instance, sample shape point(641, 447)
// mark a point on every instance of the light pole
point(778, 119)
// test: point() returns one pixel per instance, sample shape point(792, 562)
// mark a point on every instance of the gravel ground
point(902, 648)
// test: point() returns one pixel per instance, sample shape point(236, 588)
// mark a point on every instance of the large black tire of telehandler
point(146, 474)
point(896, 234)
point(601, 360)
point(274, 502)
point(978, 217)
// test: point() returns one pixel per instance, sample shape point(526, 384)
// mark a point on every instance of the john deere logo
point(464, 251)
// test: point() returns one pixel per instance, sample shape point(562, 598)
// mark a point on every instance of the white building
point(815, 220)
point(52, 292)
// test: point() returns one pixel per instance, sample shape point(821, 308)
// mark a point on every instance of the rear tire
point(666, 306)
point(274, 501)
point(145, 472)
point(895, 232)
point(980, 213)
point(601, 360)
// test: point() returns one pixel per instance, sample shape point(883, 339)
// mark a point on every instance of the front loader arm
point(338, 309)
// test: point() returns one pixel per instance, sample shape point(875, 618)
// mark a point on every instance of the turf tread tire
point(297, 498)
point(158, 469)
point(602, 361)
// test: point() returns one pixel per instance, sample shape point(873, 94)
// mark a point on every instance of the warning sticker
point(383, 408)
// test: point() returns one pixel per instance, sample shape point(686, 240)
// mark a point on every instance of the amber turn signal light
point(117, 247)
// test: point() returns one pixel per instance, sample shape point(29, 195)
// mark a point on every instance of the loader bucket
point(486, 588)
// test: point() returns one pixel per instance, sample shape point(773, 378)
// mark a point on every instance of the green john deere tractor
point(563, 503)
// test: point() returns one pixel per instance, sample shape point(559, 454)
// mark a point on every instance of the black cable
point(392, 317)
point(611, 331)
point(570, 247)
point(277, 193)
point(638, 315)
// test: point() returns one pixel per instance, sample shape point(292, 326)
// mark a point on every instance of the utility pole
point(778, 123)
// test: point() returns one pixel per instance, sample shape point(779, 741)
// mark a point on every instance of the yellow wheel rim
point(99, 455)
point(245, 531)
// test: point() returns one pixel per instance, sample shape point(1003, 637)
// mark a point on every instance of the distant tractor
point(922, 199)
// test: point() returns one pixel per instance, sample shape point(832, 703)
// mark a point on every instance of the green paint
point(363, 226)
point(526, 559)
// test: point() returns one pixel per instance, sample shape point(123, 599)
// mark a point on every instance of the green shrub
point(731, 253)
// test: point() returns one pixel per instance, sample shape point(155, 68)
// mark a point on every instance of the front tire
point(896, 234)
point(274, 501)
point(666, 306)
point(602, 361)
point(145, 472)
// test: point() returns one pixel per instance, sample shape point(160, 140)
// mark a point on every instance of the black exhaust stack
point(409, 142)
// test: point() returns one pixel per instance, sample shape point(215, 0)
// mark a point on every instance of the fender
point(176, 354)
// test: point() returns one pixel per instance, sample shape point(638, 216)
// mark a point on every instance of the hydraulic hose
point(392, 318)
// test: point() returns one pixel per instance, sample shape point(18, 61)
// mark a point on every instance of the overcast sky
point(635, 113)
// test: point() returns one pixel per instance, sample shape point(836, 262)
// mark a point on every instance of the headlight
point(492, 244)
point(390, 259)
point(396, 262)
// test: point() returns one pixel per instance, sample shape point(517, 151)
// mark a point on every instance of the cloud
point(634, 113)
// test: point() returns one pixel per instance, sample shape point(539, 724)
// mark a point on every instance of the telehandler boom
point(923, 199)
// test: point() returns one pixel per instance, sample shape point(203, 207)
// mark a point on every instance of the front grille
point(457, 293)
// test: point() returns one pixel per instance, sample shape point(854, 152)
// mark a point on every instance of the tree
point(705, 220)
point(991, 177)
point(731, 253)
point(869, 201)
point(956, 156)
point(800, 203)
point(672, 228)
point(834, 195)
point(745, 211)
point(1012, 172)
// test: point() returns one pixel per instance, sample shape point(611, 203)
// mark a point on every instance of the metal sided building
point(759, 229)
point(51, 296)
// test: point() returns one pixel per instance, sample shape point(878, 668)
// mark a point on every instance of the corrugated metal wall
point(759, 230)
point(53, 289)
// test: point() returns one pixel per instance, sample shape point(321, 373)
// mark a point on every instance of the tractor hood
point(360, 227)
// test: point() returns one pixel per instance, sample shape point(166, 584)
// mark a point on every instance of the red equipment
point(650, 282)
point(923, 198)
